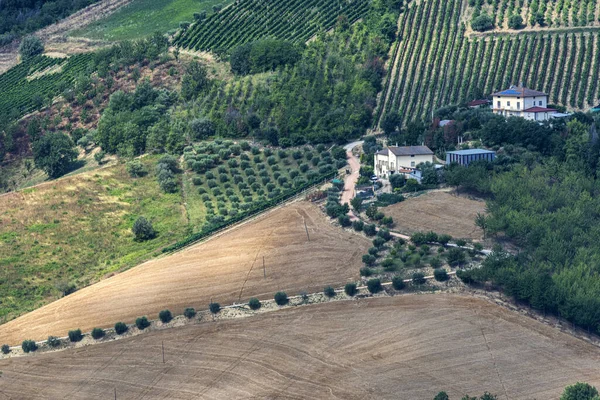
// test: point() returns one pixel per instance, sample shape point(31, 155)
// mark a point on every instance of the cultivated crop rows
point(21, 95)
point(436, 65)
point(553, 13)
point(249, 20)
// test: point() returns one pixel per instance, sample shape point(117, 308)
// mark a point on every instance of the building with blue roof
point(465, 157)
point(518, 101)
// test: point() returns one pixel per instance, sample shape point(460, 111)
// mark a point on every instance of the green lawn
point(143, 17)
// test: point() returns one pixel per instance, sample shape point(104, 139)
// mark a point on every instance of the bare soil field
point(407, 347)
point(440, 212)
point(226, 269)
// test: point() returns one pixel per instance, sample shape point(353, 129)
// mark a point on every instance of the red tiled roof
point(476, 103)
point(539, 109)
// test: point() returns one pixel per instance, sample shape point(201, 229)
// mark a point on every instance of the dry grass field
point(226, 269)
point(403, 347)
point(440, 212)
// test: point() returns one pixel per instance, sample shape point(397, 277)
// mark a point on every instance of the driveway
point(350, 179)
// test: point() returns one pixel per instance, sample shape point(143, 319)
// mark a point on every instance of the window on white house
point(499, 104)
point(540, 102)
point(518, 105)
point(412, 163)
point(508, 103)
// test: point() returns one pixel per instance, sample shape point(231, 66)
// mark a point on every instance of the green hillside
point(435, 63)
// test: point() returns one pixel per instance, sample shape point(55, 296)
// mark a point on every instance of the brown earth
point(440, 212)
point(225, 269)
point(403, 347)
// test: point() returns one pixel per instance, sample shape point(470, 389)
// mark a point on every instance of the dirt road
point(350, 179)
point(403, 347)
point(225, 269)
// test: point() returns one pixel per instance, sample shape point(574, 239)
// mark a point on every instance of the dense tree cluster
point(263, 55)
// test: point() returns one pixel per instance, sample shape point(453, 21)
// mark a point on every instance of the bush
point(214, 307)
point(370, 230)
point(440, 275)
point(358, 225)
point(435, 263)
point(142, 323)
point(455, 256)
point(30, 47)
point(398, 283)
point(344, 221)
point(482, 23)
point(444, 239)
point(165, 316)
point(75, 335)
point(366, 271)
point(368, 259)
point(515, 21)
point(281, 298)
point(120, 328)
point(136, 169)
point(418, 278)
point(329, 291)
point(197, 181)
point(580, 391)
point(374, 285)
point(5, 349)
point(350, 289)
point(254, 303)
point(465, 276)
point(378, 242)
point(29, 346)
point(384, 234)
point(143, 230)
point(189, 313)
point(461, 242)
point(98, 333)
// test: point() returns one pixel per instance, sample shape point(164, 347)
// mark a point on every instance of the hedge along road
point(226, 269)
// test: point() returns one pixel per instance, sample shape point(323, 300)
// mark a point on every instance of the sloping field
point(226, 269)
point(437, 64)
point(440, 212)
point(404, 347)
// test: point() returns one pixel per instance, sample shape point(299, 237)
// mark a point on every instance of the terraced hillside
point(248, 20)
point(435, 64)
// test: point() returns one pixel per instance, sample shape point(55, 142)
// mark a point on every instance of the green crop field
point(435, 64)
point(143, 17)
point(248, 20)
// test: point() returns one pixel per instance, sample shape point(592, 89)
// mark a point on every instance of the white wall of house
point(384, 164)
point(517, 103)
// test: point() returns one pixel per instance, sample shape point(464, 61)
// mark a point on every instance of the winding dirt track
point(403, 347)
point(226, 269)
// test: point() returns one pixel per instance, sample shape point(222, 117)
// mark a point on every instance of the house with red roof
point(518, 101)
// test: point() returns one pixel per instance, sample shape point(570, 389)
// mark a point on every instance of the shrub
point(515, 21)
point(30, 47)
point(461, 242)
point(455, 256)
point(358, 225)
point(329, 291)
point(281, 298)
point(136, 169)
point(254, 303)
point(373, 251)
point(366, 271)
point(165, 316)
point(384, 234)
point(378, 242)
point(465, 276)
point(368, 259)
point(29, 346)
point(75, 335)
point(344, 221)
point(388, 264)
point(398, 283)
point(143, 230)
point(142, 323)
point(418, 278)
point(120, 328)
point(418, 238)
point(435, 263)
point(189, 313)
point(5, 349)
point(197, 181)
point(370, 230)
point(350, 289)
point(580, 391)
point(482, 23)
point(98, 333)
point(440, 275)
point(53, 341)
point(214, 307)
point(444, 239)
point(374, 285)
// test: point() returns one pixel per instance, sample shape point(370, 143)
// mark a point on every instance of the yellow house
point(401, 159)
point(522, 102)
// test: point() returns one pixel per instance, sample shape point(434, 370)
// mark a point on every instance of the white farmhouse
point(522, 102)
point(401, 159)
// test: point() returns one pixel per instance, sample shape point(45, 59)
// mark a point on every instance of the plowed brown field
point(404, 347)
point(440, 212)
point(226, 269)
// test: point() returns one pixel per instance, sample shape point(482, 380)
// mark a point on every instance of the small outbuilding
point(465, 157)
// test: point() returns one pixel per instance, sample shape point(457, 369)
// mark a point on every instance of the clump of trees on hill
point(263, 55)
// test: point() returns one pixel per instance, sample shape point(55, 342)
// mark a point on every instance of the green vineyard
point(434, 64)
point(23, 91)
point(545, 13)
point(249, 20)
